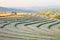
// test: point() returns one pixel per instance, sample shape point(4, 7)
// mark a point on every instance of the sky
point(29, 3)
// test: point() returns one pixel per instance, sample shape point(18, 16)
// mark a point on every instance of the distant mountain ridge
point(15, 9)
point(27, 9)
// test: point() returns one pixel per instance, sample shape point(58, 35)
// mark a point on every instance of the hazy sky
point(29, 3)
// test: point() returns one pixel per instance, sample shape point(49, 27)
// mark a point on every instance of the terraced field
point(31, 28)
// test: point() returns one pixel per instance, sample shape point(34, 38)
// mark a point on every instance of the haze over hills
point(27, 9)
point(19, 9)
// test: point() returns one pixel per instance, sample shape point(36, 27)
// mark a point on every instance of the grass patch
point(53, 24)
